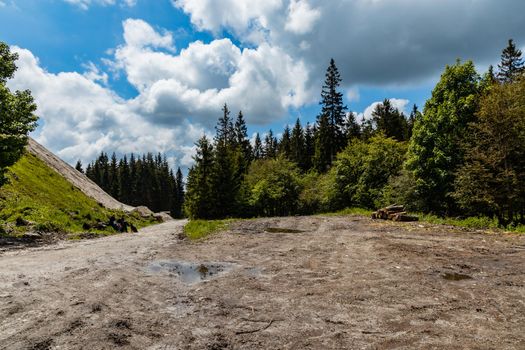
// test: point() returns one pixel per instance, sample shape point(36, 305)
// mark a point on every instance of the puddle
point(455, 276)
point(282, 230)
point(191, 273)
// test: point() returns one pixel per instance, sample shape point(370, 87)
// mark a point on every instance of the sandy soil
point(343, 282)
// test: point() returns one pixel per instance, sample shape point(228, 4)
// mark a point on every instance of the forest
point(463, 155)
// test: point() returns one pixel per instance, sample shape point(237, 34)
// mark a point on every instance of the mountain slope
point(38, 198)
point(75, 177)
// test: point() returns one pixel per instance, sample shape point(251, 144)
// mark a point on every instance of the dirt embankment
point(76, 178)
point(278, 283)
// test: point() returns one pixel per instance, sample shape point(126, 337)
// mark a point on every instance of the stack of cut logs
point(393, 212)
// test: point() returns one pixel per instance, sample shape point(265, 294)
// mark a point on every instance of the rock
point(142, 211)
point(163, 216)
point(32, 236)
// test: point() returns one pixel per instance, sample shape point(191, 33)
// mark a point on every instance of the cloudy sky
point(152, 75)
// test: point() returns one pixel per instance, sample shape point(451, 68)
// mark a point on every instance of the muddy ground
point(340, 283)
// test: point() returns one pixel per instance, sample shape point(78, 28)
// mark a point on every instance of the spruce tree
point(511, 66)
point(309, 146)
point(178, 195)
point(415, 114)
point(243, 144)
point(258, 151)
point(125, 181)
point(113, 176)
point(270, 145)
point(78, 166)
point(225, 174)
point(333, 110)
point(323, 145)
point(352, 130)
point(389, 121)
point(297, 145)
point(200, 198)
point(285, 144)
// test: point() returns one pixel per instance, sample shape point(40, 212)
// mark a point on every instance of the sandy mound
point(76, 178)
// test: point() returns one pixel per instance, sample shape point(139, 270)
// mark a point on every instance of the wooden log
point(394, 208)
point(405, 217)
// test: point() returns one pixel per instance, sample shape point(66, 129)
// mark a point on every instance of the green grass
point(197, 229)
point(482, 223)
point(39, 195)
point(350, 211)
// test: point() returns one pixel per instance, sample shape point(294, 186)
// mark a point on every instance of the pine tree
point(297, 145)
point(323, 145)
point(200, 198)
point(243, 144)
point(78, 166)
point(178, 195)
point(258, 151)
point(270, 145)
point(389, 121)
point(333, 110)
point(125, 181)
point(226, 172)
point(285, 144)
point(309, 146)
point(352, 130)
point(113, 176)
point(511, 66)
point(415, 114)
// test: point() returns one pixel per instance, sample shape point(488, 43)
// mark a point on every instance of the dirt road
point(279, 283)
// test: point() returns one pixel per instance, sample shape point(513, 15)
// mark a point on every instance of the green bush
point(273, 187)
point(362, 170)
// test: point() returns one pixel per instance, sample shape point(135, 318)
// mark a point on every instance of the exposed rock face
point(75, 177)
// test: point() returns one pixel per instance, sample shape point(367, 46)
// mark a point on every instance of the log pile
point(395, 213)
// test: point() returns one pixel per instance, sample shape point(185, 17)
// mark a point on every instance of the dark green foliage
point(309, 146)
point(511, 66)
point(323, 145)
point(330, 137)
point(415, 114)
point(270, 145)
point(147, 181)
point(285, 144)
point(200, 193)
point(389, 121)
point(492, 179)
point(17, 116)
point(352, 130)
point(78, 166)
point(258, 151)
point(297, 146)
point(225, 171)
point(243, 145)
point(178, 195)
point(434, 152)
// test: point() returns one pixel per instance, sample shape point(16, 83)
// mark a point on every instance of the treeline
point(142, 180)
point(464, 155)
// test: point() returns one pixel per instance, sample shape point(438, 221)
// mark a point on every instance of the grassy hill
point(37, 198)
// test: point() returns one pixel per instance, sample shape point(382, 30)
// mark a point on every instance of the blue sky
point(137, 75)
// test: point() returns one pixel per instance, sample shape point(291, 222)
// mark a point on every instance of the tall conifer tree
point(511, 66)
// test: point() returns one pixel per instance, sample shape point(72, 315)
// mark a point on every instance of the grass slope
point(37, 194)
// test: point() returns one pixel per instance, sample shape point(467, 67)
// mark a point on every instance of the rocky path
point(277, 283)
